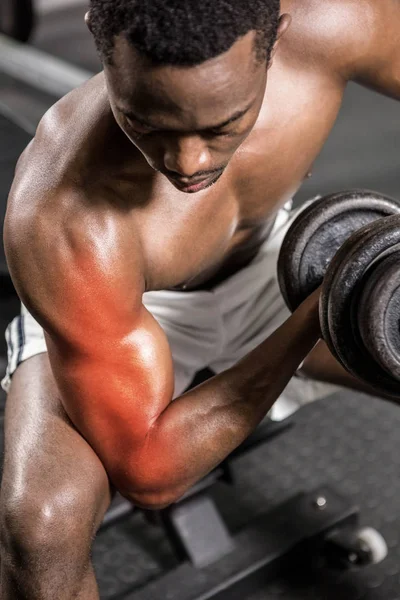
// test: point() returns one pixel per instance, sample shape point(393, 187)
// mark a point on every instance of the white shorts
point(212, 329)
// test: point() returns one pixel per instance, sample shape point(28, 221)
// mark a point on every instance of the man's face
point(187, 122)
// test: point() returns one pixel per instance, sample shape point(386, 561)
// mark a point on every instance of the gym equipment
point(308, 529)
point(17, 19)
point(347, 443)
point(358, 266)
point(318, 232)
point(38, 69)
point(359, 306)
point(213, 565)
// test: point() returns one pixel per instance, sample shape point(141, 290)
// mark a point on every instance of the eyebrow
point(235, 117)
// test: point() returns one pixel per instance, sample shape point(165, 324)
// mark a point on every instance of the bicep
point(115, 387)
point(109, 356)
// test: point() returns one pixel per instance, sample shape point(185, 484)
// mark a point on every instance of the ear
point(87, 20)
point(284, 24)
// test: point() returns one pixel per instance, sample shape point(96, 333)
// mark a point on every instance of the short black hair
point(183, 32)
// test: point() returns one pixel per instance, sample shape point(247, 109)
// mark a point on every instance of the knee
point(32, 525)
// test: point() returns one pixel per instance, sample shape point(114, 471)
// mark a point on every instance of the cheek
point(146, 146)
point(151, 151)
point(236, 142)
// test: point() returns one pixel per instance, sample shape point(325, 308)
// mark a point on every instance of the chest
point(185, 235)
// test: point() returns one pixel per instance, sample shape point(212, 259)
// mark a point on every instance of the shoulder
point(336, 35)
point(71, 263)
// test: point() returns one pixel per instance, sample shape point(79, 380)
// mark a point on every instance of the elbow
point(151, 504)
point(147, 494)
point(152, 501)
point(148, 480)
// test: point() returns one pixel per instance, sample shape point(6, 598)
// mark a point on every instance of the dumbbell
point(350, 243)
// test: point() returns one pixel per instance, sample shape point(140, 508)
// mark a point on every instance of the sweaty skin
point(93, 222)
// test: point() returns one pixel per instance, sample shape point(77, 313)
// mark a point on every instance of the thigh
point(44, 455)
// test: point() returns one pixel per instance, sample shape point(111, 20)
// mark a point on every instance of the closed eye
point(218, 132)
point(138, 127)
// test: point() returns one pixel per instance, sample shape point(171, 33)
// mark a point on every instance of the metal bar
point(46, 6)
point(283, 540)
point(38, 69)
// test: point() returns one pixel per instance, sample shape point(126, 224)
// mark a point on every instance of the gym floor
point(349, 440)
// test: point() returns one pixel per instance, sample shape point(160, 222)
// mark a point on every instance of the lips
point(193, 187)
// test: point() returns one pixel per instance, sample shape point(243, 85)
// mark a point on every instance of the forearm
point(322, 366)
point(199, 429)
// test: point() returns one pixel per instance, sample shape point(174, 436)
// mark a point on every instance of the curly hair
point(183, 32)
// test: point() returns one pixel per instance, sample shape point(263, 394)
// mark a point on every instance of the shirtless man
point(164, 178)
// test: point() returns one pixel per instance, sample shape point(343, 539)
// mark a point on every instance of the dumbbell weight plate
point(343, 286)
point(318, 232)
point(379, 312)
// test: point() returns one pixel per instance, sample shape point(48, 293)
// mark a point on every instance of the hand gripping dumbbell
point(350, 243)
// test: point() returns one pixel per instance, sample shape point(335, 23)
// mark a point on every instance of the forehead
point(230, 79)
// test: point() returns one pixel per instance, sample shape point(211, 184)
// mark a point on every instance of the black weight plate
point(318, 232)
point(339, 300)
point(379, 312)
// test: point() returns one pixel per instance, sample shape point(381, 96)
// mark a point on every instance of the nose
point(187, 156)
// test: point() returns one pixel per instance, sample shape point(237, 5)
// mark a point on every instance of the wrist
point(310, 313)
